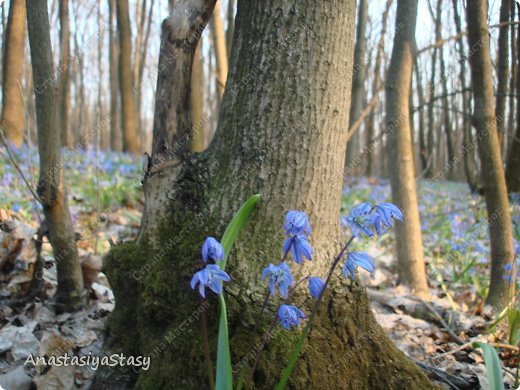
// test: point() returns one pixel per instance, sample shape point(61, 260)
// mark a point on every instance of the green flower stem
point(306, 330)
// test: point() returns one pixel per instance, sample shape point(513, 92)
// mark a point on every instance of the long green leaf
point(224, 371)
point(234, 227)
point(494, 372)
point(224, 379)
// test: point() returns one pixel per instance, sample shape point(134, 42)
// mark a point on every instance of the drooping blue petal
point(386, 214)
point(212, 250)
point(300, 248)
point(361, 221)
point(289, 315)
point(211, 276)
point(279, 276)
point(316, 285)
point(357, 259)
point(297, 222)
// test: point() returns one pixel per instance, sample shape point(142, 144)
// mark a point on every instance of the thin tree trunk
point(115, 128)
point(129, 113)
point(467, 139)
point(513, 162)
point(484, 120)
point(423, 151)
point(503, 70)
point(445, 103)
point(358, 81)
point(219, 42)
point(376, 87)
point(13, 116)
point(64, 76)
point(70, 294)
point(402, 179)
point(431, 118)
point(251, 153)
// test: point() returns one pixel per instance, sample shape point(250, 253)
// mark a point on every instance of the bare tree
point(64, 76)
point(115, 127)
point(358, 79)
point(485, 122)
point(503, 69)
point(130, 118)
point(376, 87)
point(513, 162)
point(13, 117)
point(70, 294)
point(219, 42)
point(467, 139)
point(402, 178)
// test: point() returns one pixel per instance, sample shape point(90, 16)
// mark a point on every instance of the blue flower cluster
point(363, 220)
point(211, 275)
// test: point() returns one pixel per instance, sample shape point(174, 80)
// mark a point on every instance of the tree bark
point(129, 114)
point(282, 134)
point(503, 70)
point(13, 116)
point(70, 294)
point(513, 162)
point(484, 120)
point(358, 81)
point(402, 178)
point(467, 139)
point(198, 120)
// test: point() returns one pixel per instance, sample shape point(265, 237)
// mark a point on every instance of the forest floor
point(106, 204)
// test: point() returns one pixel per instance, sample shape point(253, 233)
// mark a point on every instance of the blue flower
point(16, 207)
point(297, 222)
point(289, 316)
point(279, 275)
point(386, 213)
point(355, 259)
point(211, 249)
point(361, 221)
point(211, 276)
point(300, 248)
point(316, 286)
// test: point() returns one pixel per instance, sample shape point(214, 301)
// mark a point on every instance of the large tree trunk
point(358, 83)
point(513, 160)
point(70, 294)
point(12, 100)
point(402, 178)
point(503, 69)
point(129, 108)
point(467, 144)
point(484, 120)
point(281, 133)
